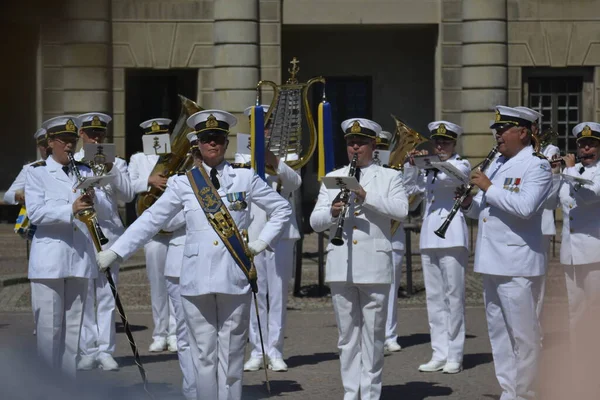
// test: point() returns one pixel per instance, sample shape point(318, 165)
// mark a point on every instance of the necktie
point(581, 170)
point(357, 173)
point(214, 179)
point(66, 170)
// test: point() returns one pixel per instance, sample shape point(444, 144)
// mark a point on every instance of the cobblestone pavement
point(310, 347)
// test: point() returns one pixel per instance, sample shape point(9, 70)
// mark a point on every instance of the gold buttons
point(433, 200)
point(355, 241)
point(354, 227)
point(570, 218)
point(356, 213)
point(215, 242)
point(485, 220)
point(570, 205)
point(74, 229)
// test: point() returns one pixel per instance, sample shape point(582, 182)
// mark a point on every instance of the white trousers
point(444, 274)
point(542, 290)
point(274, 269)
point(510, 306)
point(391, 322)
point(583, 291)
point(162, 309)
point(360, 312)
point(183, 346)
point(218, 331)
point(59, 311)
point(98, 330)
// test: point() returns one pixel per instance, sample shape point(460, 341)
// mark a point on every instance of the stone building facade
point(417, 59)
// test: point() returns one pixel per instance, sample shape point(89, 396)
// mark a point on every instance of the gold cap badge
point(355, 127)
point(96, 121)
point(586, 131)
point(498, 116)
point(155, 127)
point(70, 126)
point(211, 122)
point(441, 129)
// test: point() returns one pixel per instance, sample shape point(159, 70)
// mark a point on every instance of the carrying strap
point(221, 221)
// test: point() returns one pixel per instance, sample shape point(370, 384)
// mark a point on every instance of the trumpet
point(344, 196)
point(88, 216)
point(441, 232)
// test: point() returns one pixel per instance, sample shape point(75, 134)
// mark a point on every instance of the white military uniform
point(444, 263)
point(18, 184)
point(98, 331)
point(359, 273)
point(398, 249)
point(209, 275)
point(511, 254)
point(172, 274)
point(140, 168)
point(274, 268)
point(61, 261)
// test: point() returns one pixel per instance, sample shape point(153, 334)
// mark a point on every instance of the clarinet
point(344, 197)
point(441, 232)
point(88, 216)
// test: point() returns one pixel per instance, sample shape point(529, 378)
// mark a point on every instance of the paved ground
point(310, 346)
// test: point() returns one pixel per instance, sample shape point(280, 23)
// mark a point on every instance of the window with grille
point(559, 100)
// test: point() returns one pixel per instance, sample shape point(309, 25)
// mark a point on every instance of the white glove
point(105, 259)
point(257, 246)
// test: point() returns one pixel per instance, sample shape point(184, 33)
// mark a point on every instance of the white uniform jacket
point(509, 239)
point(62, 246)
point(207, 265)
point(140, 168)
point(366, 256)
point(548, 226)
point(176, 243)
point(290, 181)
point(119, 189)
point(18, 184)
point(439, 200)
point(409, 178)
point(581, 213)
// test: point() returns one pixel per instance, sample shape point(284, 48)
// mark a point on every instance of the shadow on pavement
point(312, 291)
point(416, 339)
point(310, 359)
point(128, 360)
point(278, 387)
point(415, 391)
point(473, 360)
point(120, 328)
point(492, 396)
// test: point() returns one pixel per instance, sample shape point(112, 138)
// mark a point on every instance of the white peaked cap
point(587, 129)
point(529, 114)
point(445, 128)
point(39, 134)
point(361, 126)
point(212, 120)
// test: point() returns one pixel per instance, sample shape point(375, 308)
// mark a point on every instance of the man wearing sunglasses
point(359, 272)
point(140, 173)
point(62, 253)
point(511, 249)
point(444, 260)
point(215, 290)
point(97, 343)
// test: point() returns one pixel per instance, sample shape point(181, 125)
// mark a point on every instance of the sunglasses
point(358, 142)
point(208, 138)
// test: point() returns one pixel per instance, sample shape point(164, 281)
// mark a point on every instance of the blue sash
point(222, 222)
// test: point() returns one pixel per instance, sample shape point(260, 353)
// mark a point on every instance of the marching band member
point(359, 272)
point(274, 268)
point(398, 237)
point(97, 343)
point(511, 250)
point(549, 151)
point(172, 274)
point(16, 192)
point(62, 254)
point(215, 291)
point(140, 172)
point(444, 260)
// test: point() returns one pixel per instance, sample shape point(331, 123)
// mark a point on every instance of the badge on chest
point(237, 201)
point(512, 184)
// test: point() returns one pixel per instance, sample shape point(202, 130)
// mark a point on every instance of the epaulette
point(181, 173)
point(539, 155)
point(459, 158)
point(39, 164)
point(240, 165)
point(395, 168)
